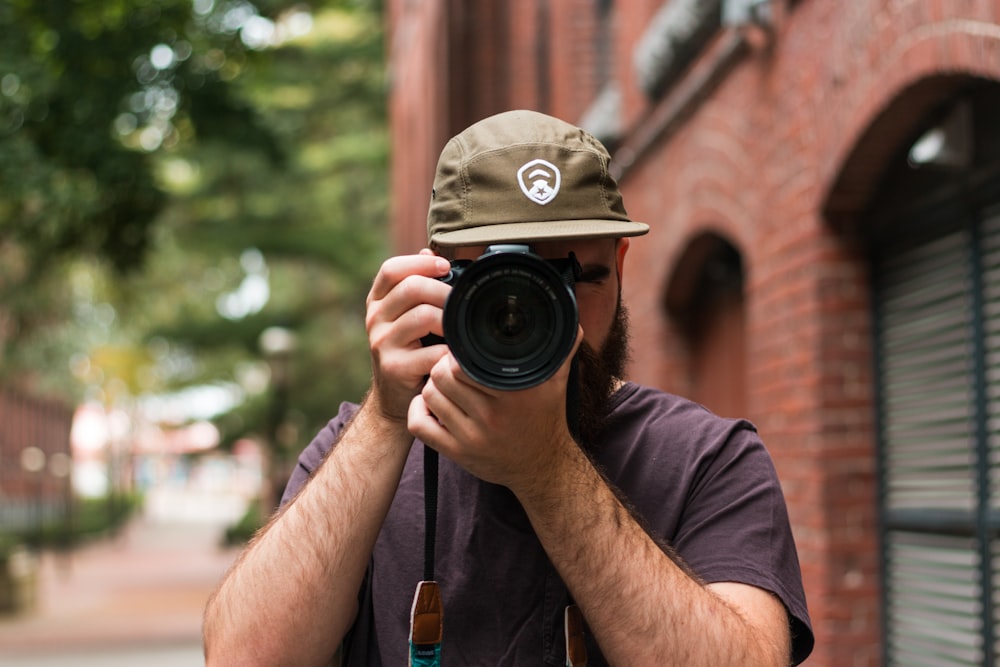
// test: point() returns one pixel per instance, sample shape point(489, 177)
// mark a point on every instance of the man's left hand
point(513, 438)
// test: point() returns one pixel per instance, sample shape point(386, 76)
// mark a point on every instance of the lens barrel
point(511, 318)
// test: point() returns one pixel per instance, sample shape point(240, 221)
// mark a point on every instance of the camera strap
point(430, 510)
point(576, 647)
point(427, 613)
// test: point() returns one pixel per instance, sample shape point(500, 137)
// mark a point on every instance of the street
point(133, 599)
point(150, 656)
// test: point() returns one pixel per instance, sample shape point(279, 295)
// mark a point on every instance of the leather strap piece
point(426, 626)
point(576, 649)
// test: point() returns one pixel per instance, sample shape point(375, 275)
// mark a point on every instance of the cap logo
point(539, 181)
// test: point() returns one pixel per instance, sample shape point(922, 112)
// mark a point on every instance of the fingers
point(423, 424)
point(396, 269)
point(496, 435)
point(449, 393)
point(404, 305)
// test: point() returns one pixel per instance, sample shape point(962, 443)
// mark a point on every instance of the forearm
point(641, 605)
point(292, 595)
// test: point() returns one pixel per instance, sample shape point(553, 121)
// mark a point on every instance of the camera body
point(511, 318)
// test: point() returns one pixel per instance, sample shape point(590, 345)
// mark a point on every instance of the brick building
point(35, 460)
point(822, 180)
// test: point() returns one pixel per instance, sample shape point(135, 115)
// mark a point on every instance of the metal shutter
point(937, 316)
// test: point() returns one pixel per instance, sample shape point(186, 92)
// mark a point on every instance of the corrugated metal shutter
point(937, 314)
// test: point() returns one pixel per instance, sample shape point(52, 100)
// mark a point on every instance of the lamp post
point(61, 468)
point(278, 345)
point(33, 463)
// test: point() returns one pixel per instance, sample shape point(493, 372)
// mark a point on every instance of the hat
point(525, 176)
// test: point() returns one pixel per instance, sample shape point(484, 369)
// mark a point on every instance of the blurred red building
point(822, 180)
point(35, 460)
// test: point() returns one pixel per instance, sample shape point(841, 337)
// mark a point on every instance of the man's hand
point(513, 438)
point(292, 596)
point(404, 305)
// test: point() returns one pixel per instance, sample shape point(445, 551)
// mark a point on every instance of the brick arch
point(918, 73)
point(705, 297)
point(705, 246)
point(911, 79)
point(681, 204)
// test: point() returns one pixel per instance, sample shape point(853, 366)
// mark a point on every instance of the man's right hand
point(265, 612)
point(404, 305)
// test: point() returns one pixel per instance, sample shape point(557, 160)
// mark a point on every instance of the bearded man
point(648, 532)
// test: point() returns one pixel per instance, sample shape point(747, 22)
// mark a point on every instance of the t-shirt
point(703, 484)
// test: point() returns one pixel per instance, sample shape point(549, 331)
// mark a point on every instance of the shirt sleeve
point(707, 487)
point(314, 454)
point(735, 527)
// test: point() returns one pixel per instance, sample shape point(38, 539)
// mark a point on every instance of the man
point(663, 524)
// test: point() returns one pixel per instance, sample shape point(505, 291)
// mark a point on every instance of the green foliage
point(80, 93)
point(160, 166)
point(89, 518)
point(243, 530)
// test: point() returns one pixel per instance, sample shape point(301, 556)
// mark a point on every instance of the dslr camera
point(511, 318)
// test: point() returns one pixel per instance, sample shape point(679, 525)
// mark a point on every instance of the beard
point(599, 371)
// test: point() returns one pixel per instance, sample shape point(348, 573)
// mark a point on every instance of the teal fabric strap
point(426, 626)
point(425, 655)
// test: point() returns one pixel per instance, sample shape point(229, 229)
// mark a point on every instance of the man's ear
point(620, 251)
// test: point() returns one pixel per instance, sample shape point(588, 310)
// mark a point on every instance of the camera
point(511, 317)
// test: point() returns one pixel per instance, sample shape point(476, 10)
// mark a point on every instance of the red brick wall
point(572, 33)
point(417, 112)
point(778, 160)
point(782, 149)
point(454, 62)
point(31, 422)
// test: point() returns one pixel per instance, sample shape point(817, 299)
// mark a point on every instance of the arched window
point(705, 298)
point(936, 295)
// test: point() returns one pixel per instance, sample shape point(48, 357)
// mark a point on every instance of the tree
point(176, 177)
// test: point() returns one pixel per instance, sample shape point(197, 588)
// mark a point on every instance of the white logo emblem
point(539, 181)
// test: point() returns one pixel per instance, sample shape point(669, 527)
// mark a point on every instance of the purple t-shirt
point(703, 484)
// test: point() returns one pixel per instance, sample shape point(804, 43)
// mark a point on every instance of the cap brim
point(549, 230)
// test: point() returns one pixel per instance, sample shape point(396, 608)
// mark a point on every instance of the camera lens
point(511, 320)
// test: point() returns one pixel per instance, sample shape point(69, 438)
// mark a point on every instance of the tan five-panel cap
point(525, 176)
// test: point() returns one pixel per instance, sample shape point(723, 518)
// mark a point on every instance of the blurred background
point(193, 197)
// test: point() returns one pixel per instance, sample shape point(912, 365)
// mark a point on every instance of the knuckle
point(371, 320)
point(426, 314)
point(409, 287)
point(391, 365)
point(437, 373)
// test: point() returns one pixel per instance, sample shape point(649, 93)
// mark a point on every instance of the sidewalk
point(147, 586)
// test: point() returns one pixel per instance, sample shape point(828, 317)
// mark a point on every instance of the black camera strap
point(430, 509)
point(427, 614)
point(573, 625)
